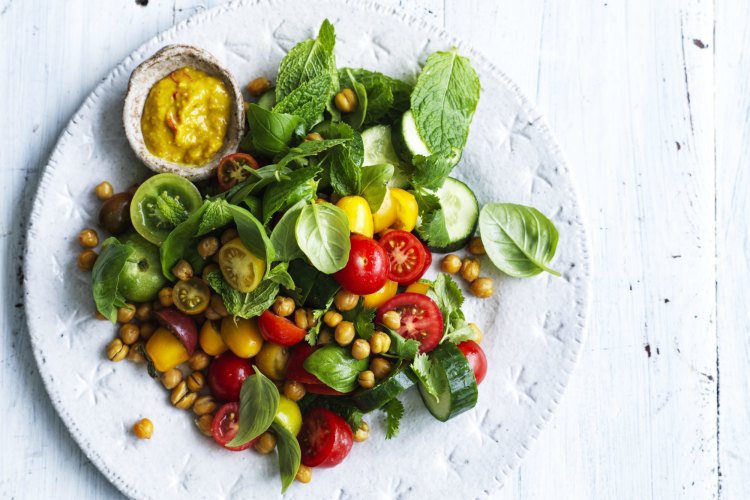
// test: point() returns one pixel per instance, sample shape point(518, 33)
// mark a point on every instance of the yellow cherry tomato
point(165, 350)
point(272, 360)
point(386, 214)
point(288, 415)
point(242, 336)
point(210, 339)
point(377, 299)
point(407, 210)
point(358, 212)
point(417, 288)
point(242, 269)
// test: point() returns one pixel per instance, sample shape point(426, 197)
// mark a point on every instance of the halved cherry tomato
point(226, 375)
point(377, 299)
point(279, 330)
point(325, 439)
point(191, 296)
point(476, 358)
point(324, 390)
point(295, 369)
point(242, 269)
point(367, 268)
point(406, 255)
point(225, 425)
point(427, 264)
point(420, 318)
point(233, 169)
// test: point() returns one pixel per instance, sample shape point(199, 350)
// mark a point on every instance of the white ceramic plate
point(533, 327)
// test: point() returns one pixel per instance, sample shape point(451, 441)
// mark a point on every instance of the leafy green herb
point(300, 186)
point(447, 295)
point(271, 132)
point(433, 229)
point(307, 60)
point(340, 130)
point(251, 304)
point(216, 214)
point(374, 180)
point(335, 367)
point(430, 172)
point(170, 209)
point(363, 318)
point(254, 205)
point(105, 277)
point(311, 337)
point(258, 180)
point(252, 234)
point(259, 401)
point(519, 240)
point(387, 97)
point(394, 410)
point(344, 175)
point(323, 236)
point(402, 347)
point(282, 237)
point(427, 374)
point(427, 200)
point(180, 238)
point(309, 148)
point(308, 100)
point(357, 117)
point(290, 455)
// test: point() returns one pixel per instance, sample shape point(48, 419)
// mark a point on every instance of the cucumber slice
point(397, 382)
point(461, 212)
point(407, 141)
point(267, 100)
point(457, 387)
point(379, 149)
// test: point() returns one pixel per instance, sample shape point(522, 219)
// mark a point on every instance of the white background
point(649, 100)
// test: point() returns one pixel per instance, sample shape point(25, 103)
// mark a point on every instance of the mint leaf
point(373, 188)
point(309, 148)
point(170, 209)
point(344, 175)
point(308, 100)
point(216, 214)
point(105, 277)
point(252, 304)
point(307, 60)
point(271, 132)
point(394, 410)
point(259, 401)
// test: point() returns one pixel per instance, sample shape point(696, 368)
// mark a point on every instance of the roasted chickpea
point(146, 330)
point(143, 312)
point(304, 474)
point(135, 353)
point(294, 390)
point(380, 367)
point(258, 86)
point(313, 136)
point(143, 429)
point(360, 349)
point(332, 318)
point(344, 333)
point(126, 314)
point(300, 319)
point(380, 342)
point(104, 191)
point(325, 337)
point(208, 246)
point(88, 238)
point(470, 269)
point(116, 350)
point(366, 379)
point(476, 246)
point(346, 100)
point(283, 306)
point(207, 270)
point(86, 260)
point(228, 235)
point(181, 397)
point(199, 361)
point(204, 404)
point(362, 433)
point(129, 333)
point(311, 321)
point(345, 300)
point(171, 378)
point(183, 271)
point(451, 264)
point(217, 305)
point(265, 444)
point(165, 297)
point(204, 423)
point(482, 287)
point(392, 319)
point(196, 381)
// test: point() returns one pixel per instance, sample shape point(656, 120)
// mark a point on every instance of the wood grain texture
point(628, 88)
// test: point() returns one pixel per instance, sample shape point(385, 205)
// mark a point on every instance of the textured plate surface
point(533, 328)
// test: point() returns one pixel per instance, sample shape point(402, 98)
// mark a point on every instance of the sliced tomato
point(325, 439)
point(225, 425)
point(295, 369)
point(279, 330)
point(242, 269)
point(233, 169)
point(324, 390)
point(427, 264)
point(420, 318)
point(406, 255)
point(191, 296)
point(476, 358)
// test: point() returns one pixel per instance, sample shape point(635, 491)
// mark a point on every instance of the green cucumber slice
point(378, 145)
point(407, 141)
point(461, 212)
point(397, 382)
point(457, 387)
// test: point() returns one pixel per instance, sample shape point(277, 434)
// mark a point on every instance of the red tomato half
point(225, 424)
point(420, 318)
point(295, 369)
point(325, 438)
point(226, 375)
point(367, 268)
point(476, 358)
point(232, 169)
point(406, 255)
point(279, 330)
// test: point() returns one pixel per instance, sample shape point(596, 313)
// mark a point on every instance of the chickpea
point(204, 405)
point(380, 367)
point(204, 423)
point(477, 333)
point(196, 381)
point(143, 312)
point(143, 429)
point(294, 390)
point(99, 316)
point(229, 235)
point(300, 319)
point(147, 329)
point(346, 100)
point(451, 264)
point(311, 321)
point(304, 474)
point(129, 333)
point(344, 333)
point(332, 318)
point(362, 433)
point(207, 270)
point(283, 306)
point(265, 443)
point(392, 319)
point(86, 260)
point(104, 191)
point(88, 238)
point(482, 287)
point(366, 379)
point(360, 349)
point(470, 269)
point(126, 314)
point(199, 361)
point(116, 350)
point(476, 247)
point(258, 86)
point(208, 246)
point(217, 305)
point(171, 378)
point(165, 297)
point(380, 342)
point(211, 314)
point(183, 271)
point(135, 353)
point(324, 338)
point(313, 136)
point(345, 300)
point(181, 397)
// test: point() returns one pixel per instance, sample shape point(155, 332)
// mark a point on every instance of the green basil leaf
point(290, 455)
point(105, 277)
point(357, 117)
point(254, 205)
point(179, 240)
point(259, 401)
point(308, 100)
point(271, 132)
point(322, 232)
point(335, 367)
point(394, 410)
point(299, 186)
point(258, 180)
point(519, 240)
point(280, 275)
point(374, 180)
point(306, 60)
point(283, 238)
point(253, 235)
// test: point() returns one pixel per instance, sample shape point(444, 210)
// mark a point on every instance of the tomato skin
point(295, 369)
point(386, 214)
point(325, 439)
point(407, 210)
point(225, 424)
point(191, 296)
point(420, 318)
point(210, 339)
point(165, 350)
point(406, 254)
point(242, 269)
point(358, 213)
point(272, 360)
point(226, 375)
point(279, 330)
point(366, 271)
point(288, 415)
point(230, 171)
point(476, 358)
point(241, 336)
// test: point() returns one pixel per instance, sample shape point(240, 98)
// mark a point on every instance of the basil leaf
point(374, 180)
point(254, 205)
point(105, 277)
point(290, 455)
point(179, 240)
point(258, 180)
point(357, 117)
point(259, 402)
point(519, 240)
point(282, 237)
point(335, 367)
point(308, 100)
point(444, 100)
point(307, 60)
point(253, 235)
point(271, 132)
point(394, 410)
point(322, 232)
point(299, 186)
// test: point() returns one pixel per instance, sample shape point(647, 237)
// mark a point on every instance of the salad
point(283, 301)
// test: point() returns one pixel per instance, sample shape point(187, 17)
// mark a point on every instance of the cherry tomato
point(191, 296)
point(420, 318)
point(225, 425)
point(427, 264)
point(386, 214)
point(210, 338)
point(242, 336)
point(242, 269)
point(232, 169)
point(279, 330)
point(407, 209)
point(272, 360)
point(366, 271)
point(358, 213)
point(476, 358)
point(288, 415)
point(406, 255)
point(295, 369)
point(146, 212)
point(226, 375)
point(377, 299)
point(325, 438)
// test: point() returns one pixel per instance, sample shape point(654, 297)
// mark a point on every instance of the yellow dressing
point(185, 117)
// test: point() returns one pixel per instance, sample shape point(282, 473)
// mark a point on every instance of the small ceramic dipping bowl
point(158, 66)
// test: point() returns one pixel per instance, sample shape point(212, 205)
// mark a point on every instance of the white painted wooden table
point(650, 101)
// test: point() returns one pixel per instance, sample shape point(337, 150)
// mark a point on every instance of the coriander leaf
point(271, 132)
point(290, 455)
point(430, 172)
point(446, 294)
point(357, 117)
point(444, 100)
point(363, 319)
point(259, 401)
point(105, 277)
point(312, 334)
point(335, 367)
point(433, 229)
point(340, 130)
point(309, 148)
point(459, 334)
point(426, 200)
point(425, 372)
point(282, 237)
point(245, 305)
point(253, 235)
point(306, 60)
point(322, 232)
point(299, 186)
point(308, 100)
point(402, 347)
point(374, 180)
point(394, 410)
